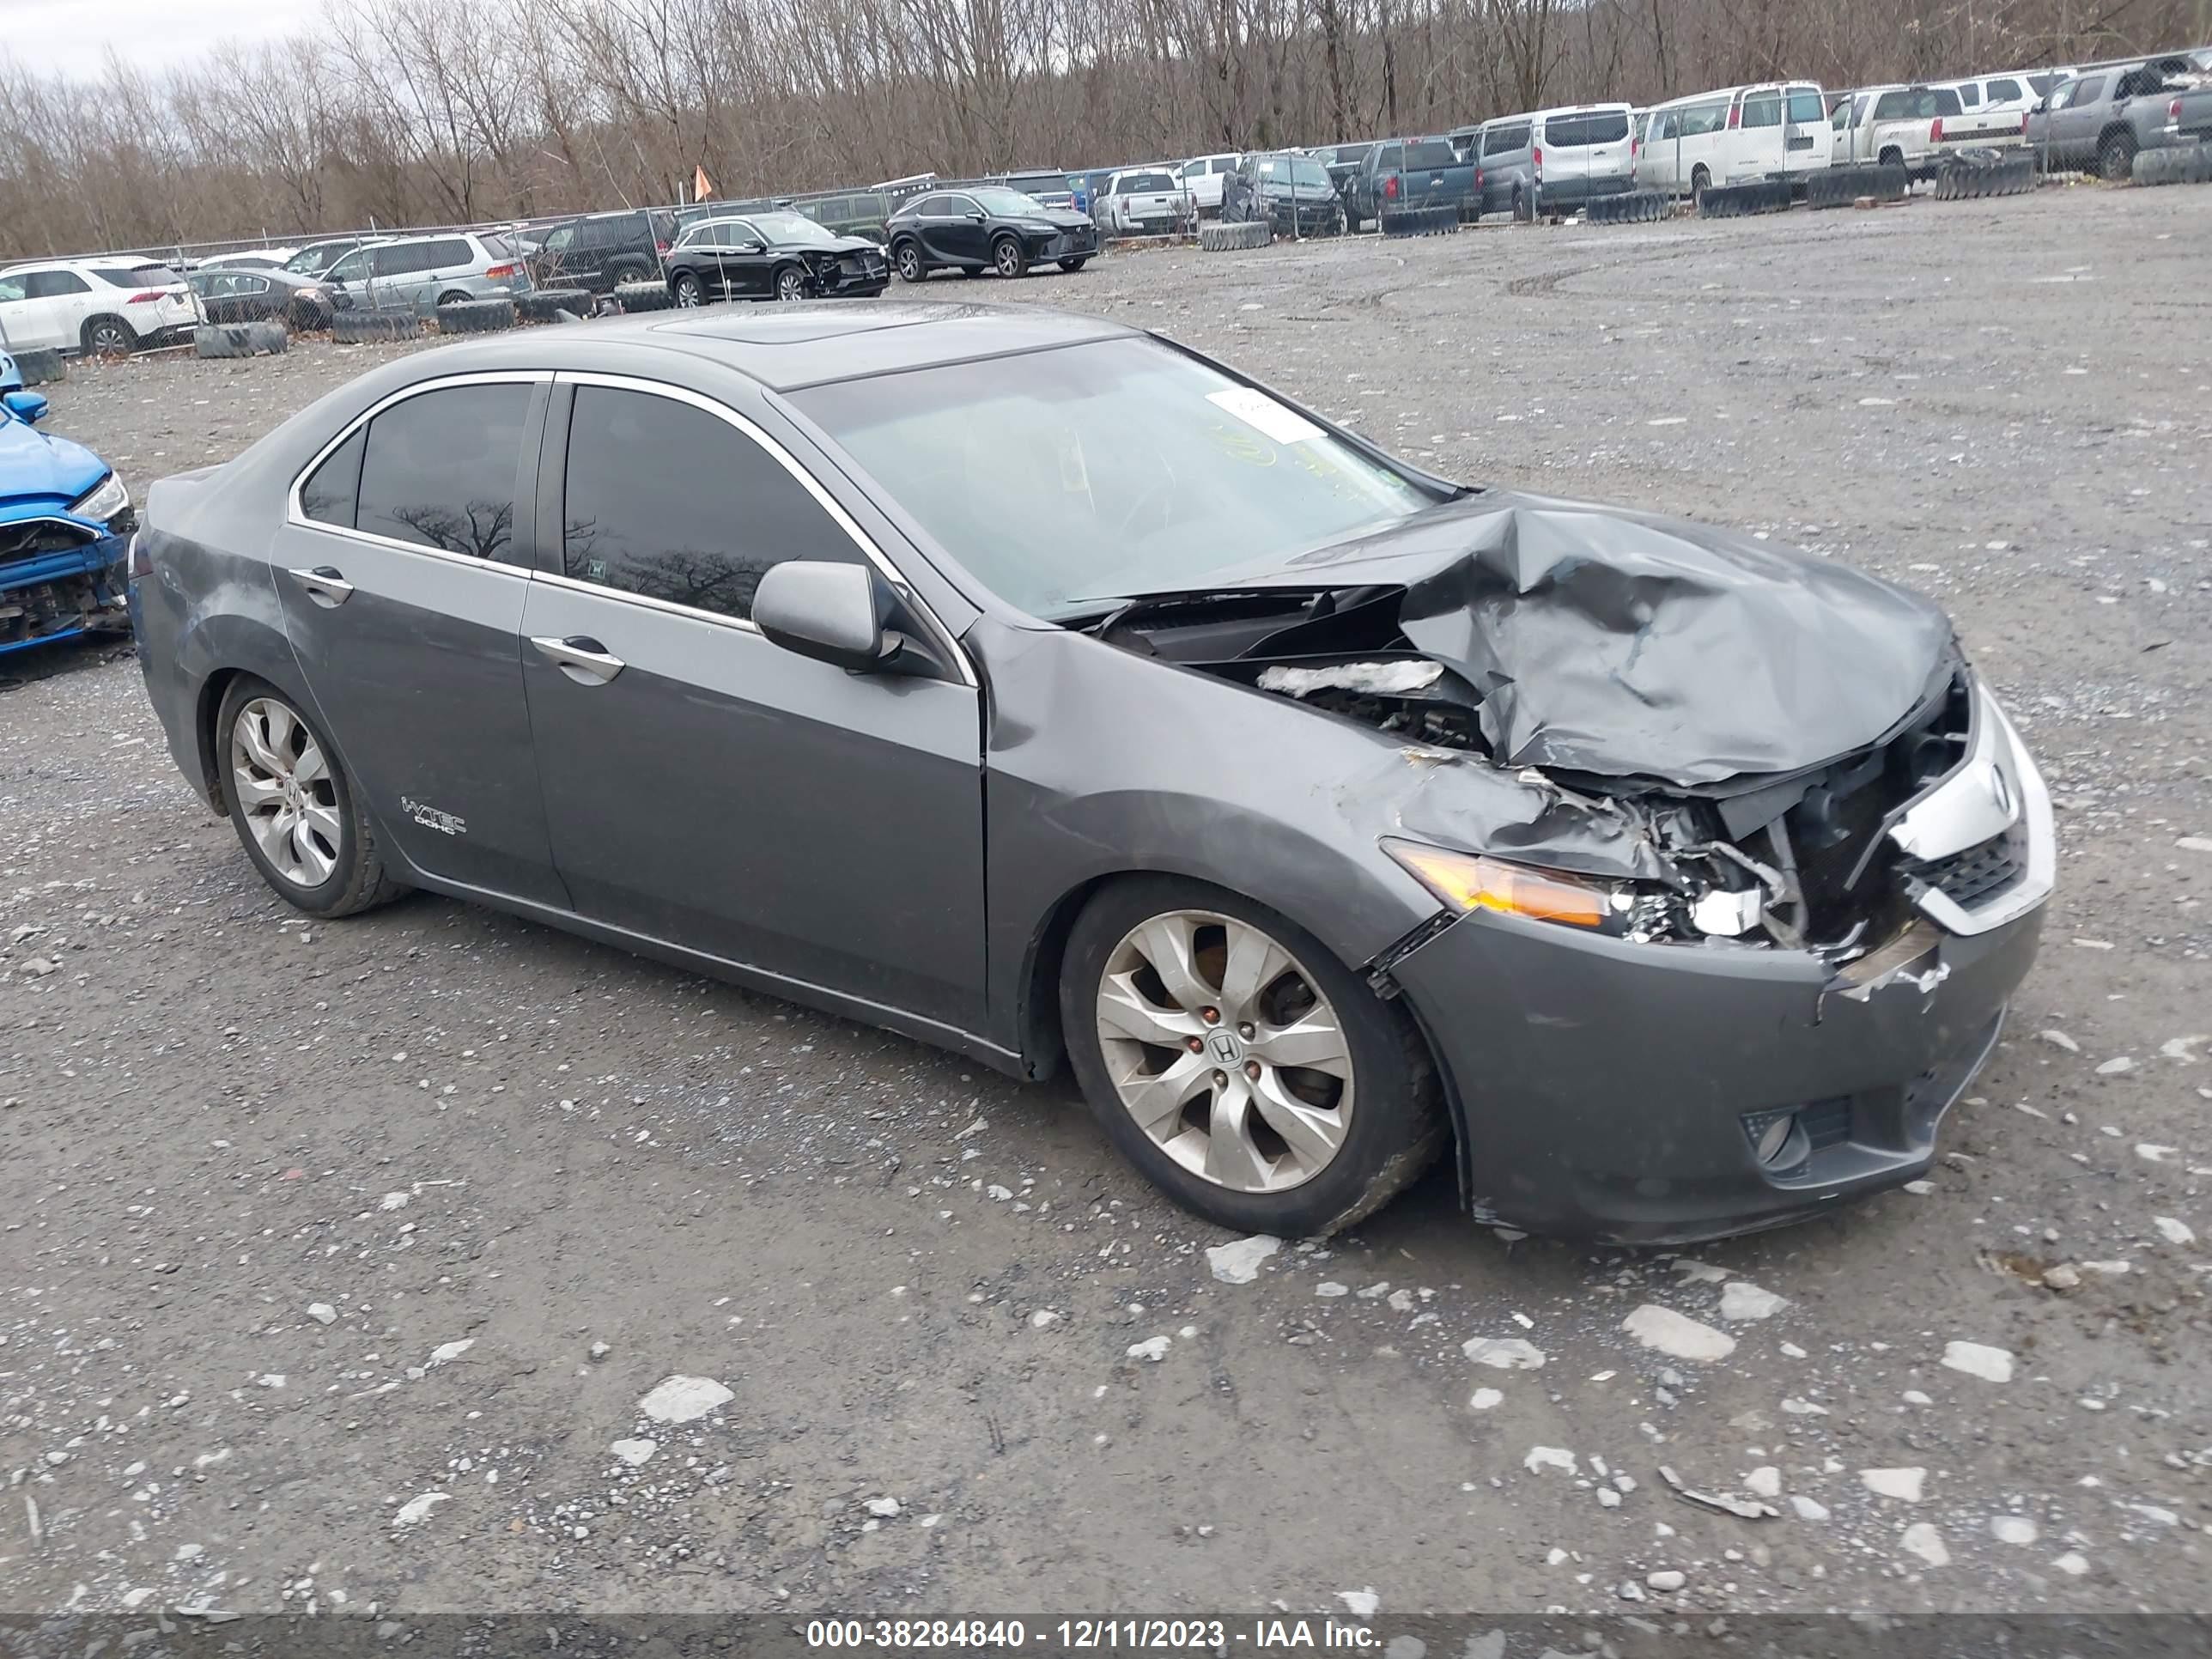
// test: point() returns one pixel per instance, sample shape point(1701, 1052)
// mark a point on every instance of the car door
point(745, 261)
point(402, 565)
point(2074, 129)
point(1564, 141)
point(965, 230)
point(710, 789)
point(60, 300)
point(1757, 151)
point(1805, 135)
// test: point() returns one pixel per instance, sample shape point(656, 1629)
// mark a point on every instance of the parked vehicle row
point(98, 307)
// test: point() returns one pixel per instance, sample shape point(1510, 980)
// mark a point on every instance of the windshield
point(1294, 171)
point(793, 227)
point(996, 198)
point(1094, 471)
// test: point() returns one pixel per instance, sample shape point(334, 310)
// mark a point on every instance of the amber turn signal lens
point(1468, 881)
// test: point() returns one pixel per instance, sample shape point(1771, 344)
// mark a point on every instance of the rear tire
point(1701, 180)
point(687, 291)
point(2115, 156)
point(336, 841)
point(906, 256)
point(107, 336)
point(1076, 263)
point(1366, 1126)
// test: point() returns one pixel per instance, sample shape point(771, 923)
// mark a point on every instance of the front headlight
point(1473, 881)
point(103, 501)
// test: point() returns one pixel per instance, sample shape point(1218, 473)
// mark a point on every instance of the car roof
point(786, 347)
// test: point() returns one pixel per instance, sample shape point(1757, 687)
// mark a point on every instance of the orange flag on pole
point(702, 186)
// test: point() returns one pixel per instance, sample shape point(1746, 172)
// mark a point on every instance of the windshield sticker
point(1259, 410)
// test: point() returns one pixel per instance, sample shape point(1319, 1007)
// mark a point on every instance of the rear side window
point(1946, 102)
point(1805, 107)
point(1699, 120)
point(2005, 92)
point(1429, 153)
point(1608, 126)
point(440, 470)
point(1503, 141)
point(139, 276)
point(450, 251)
point(333, 491)
point(1763, 110)
point(666, 501)
point(1970, 96)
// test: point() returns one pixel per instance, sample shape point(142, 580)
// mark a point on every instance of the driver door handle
point(325, 586)
point(581, 658)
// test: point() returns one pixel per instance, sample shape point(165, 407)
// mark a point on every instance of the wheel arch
point(84, 329)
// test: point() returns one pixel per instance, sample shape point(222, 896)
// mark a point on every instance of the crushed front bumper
point(1619, 1091)
point(59, 577)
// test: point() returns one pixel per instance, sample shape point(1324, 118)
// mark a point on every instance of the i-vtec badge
point(432, 818)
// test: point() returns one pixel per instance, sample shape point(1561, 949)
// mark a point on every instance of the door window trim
point(874, 556)
point(295, 512)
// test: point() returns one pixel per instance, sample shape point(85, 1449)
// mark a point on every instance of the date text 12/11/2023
point(1079, 1634)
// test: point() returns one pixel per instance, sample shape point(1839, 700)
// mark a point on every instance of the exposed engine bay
point(1685, 694)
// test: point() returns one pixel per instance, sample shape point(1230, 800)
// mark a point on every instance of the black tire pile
point(1838, 187)
point(361, 327)
point(1219, 238)
point(1635, 206)
point(1738, 201)
point(41, 366)
point(240, 339)
point(1420, 220)
point(545, 304)
point(1974, 175)
point(476, 316)
point(2190, 164)
point(642, 296)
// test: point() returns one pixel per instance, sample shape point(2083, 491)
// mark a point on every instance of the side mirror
point(972, 217)
point(832, 612)
point(28, 407)
point(745, 247)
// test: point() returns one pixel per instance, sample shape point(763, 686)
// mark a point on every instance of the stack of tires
point(1736, 201)
point(475, 316)
point(240, 339)
point(547, 305)
point(1219, 238)
point(2191, 164)
point(1840, 187)
point(1635, 206)
point(363, 327)
point(1420, 220)
point(1972, 174)
point(642, 296)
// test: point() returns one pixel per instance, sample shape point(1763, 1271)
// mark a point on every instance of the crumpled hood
point(1624, 644)
point(38, 470)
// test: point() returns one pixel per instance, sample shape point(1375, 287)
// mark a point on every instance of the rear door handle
point(325, 586)
point(581, 658)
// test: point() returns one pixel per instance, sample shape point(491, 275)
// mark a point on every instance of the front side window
point(2086, 91)
point(440, 470)
point(669, 502)
point(11, 287)
point(1068, 477)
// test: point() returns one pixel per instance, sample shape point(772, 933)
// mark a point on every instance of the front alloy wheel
point(1238, 1064)
point(1007, 257)
point(790, 284)
point(1224, 1051)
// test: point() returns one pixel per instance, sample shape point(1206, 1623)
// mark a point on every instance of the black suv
point(599, 250)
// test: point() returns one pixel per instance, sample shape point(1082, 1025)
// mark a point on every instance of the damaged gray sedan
point(1042, 689)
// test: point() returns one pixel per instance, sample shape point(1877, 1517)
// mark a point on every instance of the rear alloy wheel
point(1008, 258)
point(294, 806)
point(1238, 1064)
point(908, 257)
point(689, 294)
point(2115, 156)
point(791, 284)
point(109, 336)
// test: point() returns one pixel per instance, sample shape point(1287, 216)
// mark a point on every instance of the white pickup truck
point(1144, 202)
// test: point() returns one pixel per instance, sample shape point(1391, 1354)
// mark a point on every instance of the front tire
point(1243, 1069)
point(1076, 263)
point(1009, 258)
point(791, 284)
point(294, 807)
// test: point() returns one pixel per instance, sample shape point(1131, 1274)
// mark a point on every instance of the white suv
point(98, 305)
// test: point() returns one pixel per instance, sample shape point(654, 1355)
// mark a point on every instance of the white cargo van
point(1774, 130)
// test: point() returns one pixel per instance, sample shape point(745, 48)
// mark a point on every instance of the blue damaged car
point(65, 525)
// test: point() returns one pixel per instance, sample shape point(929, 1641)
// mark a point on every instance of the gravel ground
point(346, 1264)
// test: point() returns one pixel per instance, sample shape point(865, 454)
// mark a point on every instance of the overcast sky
point(71, 37)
